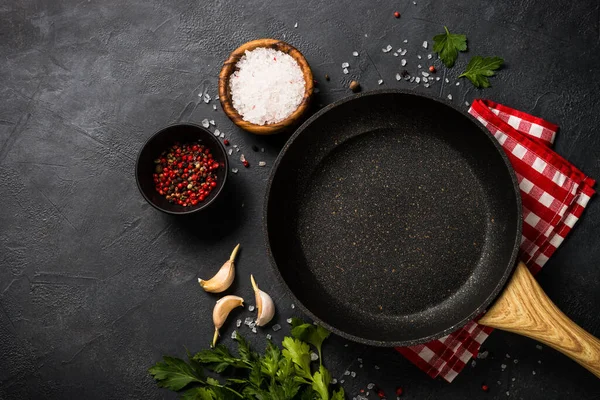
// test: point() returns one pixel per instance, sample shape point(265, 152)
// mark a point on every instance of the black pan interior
point(392, 218)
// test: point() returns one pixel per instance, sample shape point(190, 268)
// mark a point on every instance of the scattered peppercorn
point(399, 391)
point(381, 394)
point(246, 163)
point(485, 388)
point(404, 73)
point(254, 147)
point(397, 14)
point(185, 174)
point(355, 86)
point(326, 77)
point(226, 142)
point(432, 69)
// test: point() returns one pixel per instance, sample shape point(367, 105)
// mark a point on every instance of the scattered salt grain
point(238, 323)
point(314, 356)
point(449, 97)
point(252, 325)
point(419, 66)
point(538, 346)
point(212, 122)
point(467, 103)
point(333, 381)
point(248, 321)
point(359, 360)
point(429, 56)
point(262, 163)
point(417, 80)
point(206, 98)
point(539, 361)
point(370, 386)
point(427, 84)
point(437, 78)
point(269, 336)
point(346, 345)
point(293, 306)
point(342, 381)
point(205, 123)
point(242, 159)
point(507, 393)
point(399, 50)
point(412, 79)
point(355, 53)
point(345, 65)
point(262, 149)
point(215, 107)
point(425, 80)
point(353, 374)
point(267, 86)
point(425, 44)
point(234, 170)
point(516, 361)
point(250, 308)
point(346, 372)
point(514, 379)
point(222, 135)
point(473, 363)
point(380, 82)
point(447, 81)
point(395, 54)
point(289, 320)
point(457, 83)
point(276, 327)
point(316, 90)
point(403, 52)
point(387, 49)
point(419, 56)
point(253, 329)
point(234, 335)
point(483, 355)
point(230, 151)
point(533, 372)
point(405, 40)
point(377, 367)
point(414, 3)
point(345, 70)
point(499, 383)
point(296, 25)
point(425, 74)
point(360, 366)
point(217, 132)
point(403, 62)
point(507, 355)
point(503, 367)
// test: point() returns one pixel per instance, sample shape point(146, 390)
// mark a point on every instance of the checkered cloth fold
point(554, 194)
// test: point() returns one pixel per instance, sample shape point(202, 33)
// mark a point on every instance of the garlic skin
point(264, 305)
point(223, 278)
point(222, 309)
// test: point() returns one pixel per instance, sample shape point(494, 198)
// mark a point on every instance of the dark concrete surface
point(95, 285)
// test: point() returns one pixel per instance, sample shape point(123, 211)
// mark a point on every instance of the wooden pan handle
point(523, 308)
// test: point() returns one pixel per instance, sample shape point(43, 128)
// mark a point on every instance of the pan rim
point(396, 343)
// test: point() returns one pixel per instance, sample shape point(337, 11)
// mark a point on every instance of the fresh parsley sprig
point(278, 374)
point(480, 68)
point(447, 45)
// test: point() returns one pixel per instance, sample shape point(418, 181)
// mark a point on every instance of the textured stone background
point(95, 285)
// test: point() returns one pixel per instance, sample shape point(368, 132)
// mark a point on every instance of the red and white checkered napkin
point(554, 195)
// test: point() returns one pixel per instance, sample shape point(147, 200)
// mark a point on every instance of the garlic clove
point(223, 278)
point(264, 305)
point(222, 309)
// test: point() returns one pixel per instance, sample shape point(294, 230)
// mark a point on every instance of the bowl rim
point(219, 187)
point(229, 68)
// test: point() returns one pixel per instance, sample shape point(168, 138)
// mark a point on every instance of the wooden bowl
point(229, 68)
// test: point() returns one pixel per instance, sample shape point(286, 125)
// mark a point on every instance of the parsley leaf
point(269, 363)
point(339, 394)
point(174, 373)
point(244, 350)
point(219, 358)
point(447, 45)
point(298, 352)
point(480, 68)
point(320, 384)
point(310, 333)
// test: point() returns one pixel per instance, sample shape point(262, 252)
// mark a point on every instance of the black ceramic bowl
point(162, 140)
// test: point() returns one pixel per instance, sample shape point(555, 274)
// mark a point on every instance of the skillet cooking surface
point(392, 218)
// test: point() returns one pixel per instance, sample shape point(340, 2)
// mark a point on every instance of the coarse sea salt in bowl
point(265, 86)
